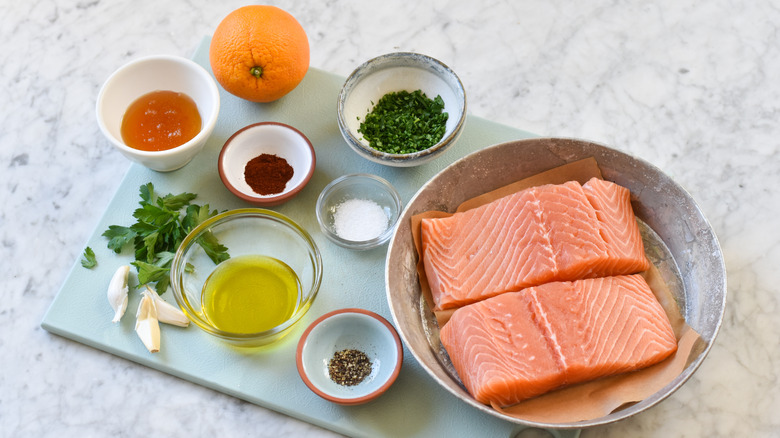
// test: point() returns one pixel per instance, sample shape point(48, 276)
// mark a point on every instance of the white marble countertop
point(688, 85)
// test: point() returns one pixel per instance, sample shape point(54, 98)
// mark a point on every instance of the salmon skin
point(519, 345)
point(556, 232)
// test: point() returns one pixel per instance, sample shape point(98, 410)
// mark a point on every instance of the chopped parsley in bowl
point(404, 123)
point(401, 109)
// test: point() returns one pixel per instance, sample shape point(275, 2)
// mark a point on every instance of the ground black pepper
point(349, 367)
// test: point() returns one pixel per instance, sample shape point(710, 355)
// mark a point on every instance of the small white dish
point(271, 138)
point(355, 329)
point(154, 73)
point(396, 72)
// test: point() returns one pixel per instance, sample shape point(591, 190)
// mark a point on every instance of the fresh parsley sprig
point(88, 259)
point(159, 230)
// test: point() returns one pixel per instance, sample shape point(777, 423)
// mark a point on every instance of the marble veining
point(688, 85)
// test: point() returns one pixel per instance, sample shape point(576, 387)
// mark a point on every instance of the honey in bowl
point(160, 120)
point(250, 294)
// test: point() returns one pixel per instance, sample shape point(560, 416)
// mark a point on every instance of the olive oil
point(250, 294)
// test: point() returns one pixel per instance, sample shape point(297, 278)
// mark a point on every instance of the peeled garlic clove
point(146, 325)
point(166, 312)
point(117, 292)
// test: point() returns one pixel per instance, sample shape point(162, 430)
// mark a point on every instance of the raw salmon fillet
point(538, 235)
point(519, 345)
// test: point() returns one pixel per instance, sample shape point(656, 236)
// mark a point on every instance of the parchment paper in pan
point(597, 398)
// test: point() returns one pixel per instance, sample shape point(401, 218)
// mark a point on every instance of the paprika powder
point(268, 174)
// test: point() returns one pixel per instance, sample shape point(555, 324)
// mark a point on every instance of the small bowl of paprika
point(266, 163)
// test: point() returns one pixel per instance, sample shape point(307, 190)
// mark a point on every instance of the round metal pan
point(683, 243)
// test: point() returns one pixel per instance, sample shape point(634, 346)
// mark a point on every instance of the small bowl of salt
point(358, 211)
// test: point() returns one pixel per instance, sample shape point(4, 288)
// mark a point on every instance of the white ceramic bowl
point(396, 72)
point(362, 186)
point(356, 329)
point(153, 73)
point(272, 138)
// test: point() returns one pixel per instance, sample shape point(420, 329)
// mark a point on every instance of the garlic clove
point(166, 312)
point(117, 292)
point(146, 325)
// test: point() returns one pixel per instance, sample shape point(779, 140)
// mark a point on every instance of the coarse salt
point(359, 220)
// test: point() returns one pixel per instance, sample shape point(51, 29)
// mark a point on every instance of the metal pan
point(682, 242)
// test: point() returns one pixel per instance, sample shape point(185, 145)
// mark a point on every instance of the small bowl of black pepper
point(401, 109)
point(349, 356)
point(266, 163)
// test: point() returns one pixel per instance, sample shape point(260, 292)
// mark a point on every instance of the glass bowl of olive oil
point(247, 275)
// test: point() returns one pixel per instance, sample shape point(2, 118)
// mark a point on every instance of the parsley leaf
point(147, 194)
point(196, 215)
point(157, 272)
point(159, 230)
point(216, 251)
point(118, 237)
point(89, 261)
point(150, 273)
point(176, 202)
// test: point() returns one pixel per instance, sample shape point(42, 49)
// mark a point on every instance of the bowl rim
point(207, 126)
point(363, 244)
point(350, 400)
point(363, 149)
point(206, 225)
point(269, 200)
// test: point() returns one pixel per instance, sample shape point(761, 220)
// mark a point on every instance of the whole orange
point(259, 53)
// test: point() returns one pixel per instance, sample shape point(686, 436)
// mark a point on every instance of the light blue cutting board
point(415, 406)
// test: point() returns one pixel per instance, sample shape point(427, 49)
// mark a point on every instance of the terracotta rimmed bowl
point(351, 328)
point(396, 72)
point(271, 138)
